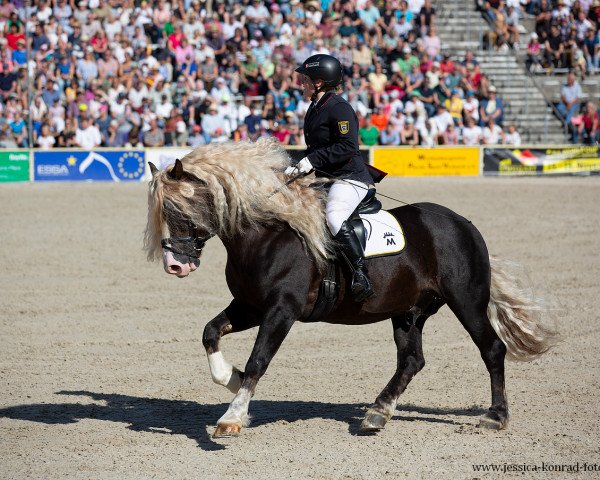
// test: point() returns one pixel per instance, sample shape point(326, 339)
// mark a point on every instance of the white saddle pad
point(384, 234)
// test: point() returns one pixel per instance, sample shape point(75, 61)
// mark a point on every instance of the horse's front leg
point(235, 318)
point(272, 331)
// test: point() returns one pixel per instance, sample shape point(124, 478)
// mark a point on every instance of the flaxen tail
point(516, 316)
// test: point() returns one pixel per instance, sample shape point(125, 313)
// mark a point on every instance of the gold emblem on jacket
point(344, 126)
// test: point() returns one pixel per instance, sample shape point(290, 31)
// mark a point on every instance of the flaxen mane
point(240, 178)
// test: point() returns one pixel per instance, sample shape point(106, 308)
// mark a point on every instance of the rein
point(466, 220)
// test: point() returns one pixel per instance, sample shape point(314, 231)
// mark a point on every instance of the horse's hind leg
point(235, 318)
point(475, 320)
point(407, 335)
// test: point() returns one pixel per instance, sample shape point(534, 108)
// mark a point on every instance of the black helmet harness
point(322, 67)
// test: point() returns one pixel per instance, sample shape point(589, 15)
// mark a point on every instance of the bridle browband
point(190, 246)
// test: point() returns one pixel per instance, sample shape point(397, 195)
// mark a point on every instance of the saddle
point(329, 288)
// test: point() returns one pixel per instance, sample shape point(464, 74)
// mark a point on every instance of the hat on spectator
point(313, 4)
point(436, 64)
point(534, 35)
point(492, 89)
point(213, 107)
point(275, 7)
point(196, 128)
point(470, 93)
point(406, 49)
point(410, 120)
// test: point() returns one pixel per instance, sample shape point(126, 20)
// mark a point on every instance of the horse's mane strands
point(240, 178)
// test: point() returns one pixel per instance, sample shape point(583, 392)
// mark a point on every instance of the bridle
point(190, 246)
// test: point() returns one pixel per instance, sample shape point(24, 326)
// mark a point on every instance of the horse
point(278, 247)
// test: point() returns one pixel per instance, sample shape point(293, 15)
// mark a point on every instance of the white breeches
point(344, 196)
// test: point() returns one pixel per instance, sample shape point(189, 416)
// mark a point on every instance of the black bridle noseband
point(190, 246)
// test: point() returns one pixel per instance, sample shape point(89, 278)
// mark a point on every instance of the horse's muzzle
point(181, 266)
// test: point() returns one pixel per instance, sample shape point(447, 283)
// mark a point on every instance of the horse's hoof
point(373, 422)
point(491, 420)
point(225, 430)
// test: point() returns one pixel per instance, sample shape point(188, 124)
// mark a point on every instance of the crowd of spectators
point(134, 73)
point(565, 35)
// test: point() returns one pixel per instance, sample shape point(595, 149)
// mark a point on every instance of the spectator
point(406, 63)
point(377, 83)
point(591, 50)
point(471, 133)
point(432, 43)
point(214, 125)
point(429, 98)
point(155, 136)
point(442, 119)
point(512, 25)
point(19, 129)
point(570, 95)
point(369, 134)
point(492, 133)
point(512, 137)
point(533, 61)
point(112, 138)
point(455, 106)
point(471, 107)
point(426, 17)
point(491, 107)
point(46, 140)
point(87, 135)
point(554, 52)
point(196, 139)
point(379, 118)
point(586, 129)
point(409, 134)
point(450, 136)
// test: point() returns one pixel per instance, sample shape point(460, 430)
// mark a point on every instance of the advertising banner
point(162, 157)
point(426, 162)
point(14, 166)
point(81, 165)
point(575, 160)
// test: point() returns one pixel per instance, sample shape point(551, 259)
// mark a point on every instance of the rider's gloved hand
point(303, 166)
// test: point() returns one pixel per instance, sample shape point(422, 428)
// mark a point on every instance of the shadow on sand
point(194, 420)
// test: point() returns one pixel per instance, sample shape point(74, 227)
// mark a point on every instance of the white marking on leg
point(223, 373)
point(238, 409)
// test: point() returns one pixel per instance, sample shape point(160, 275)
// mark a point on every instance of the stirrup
point(361, 287)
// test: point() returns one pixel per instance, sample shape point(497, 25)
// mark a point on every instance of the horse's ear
point(177, 171)
point(153, 169)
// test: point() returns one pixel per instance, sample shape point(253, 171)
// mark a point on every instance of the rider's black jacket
point(331, 133)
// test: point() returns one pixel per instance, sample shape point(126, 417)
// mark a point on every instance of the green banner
point(14, 166)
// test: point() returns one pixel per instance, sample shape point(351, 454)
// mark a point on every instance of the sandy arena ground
point(103, 373)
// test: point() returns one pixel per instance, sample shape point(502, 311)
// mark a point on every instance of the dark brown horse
point(277, 245)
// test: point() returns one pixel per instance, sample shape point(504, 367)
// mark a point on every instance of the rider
point(331, 134)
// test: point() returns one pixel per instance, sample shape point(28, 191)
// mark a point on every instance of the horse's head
point(182, 237)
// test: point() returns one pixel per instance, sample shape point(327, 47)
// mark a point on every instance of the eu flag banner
point(78, 165)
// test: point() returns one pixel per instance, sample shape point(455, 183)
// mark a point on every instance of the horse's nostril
point(174, 269)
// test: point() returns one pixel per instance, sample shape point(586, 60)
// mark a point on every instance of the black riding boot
point(354, 255)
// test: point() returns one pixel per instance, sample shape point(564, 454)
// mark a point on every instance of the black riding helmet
point(322, 67)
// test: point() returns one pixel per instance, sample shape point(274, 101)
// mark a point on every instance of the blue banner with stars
point(97, 165)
